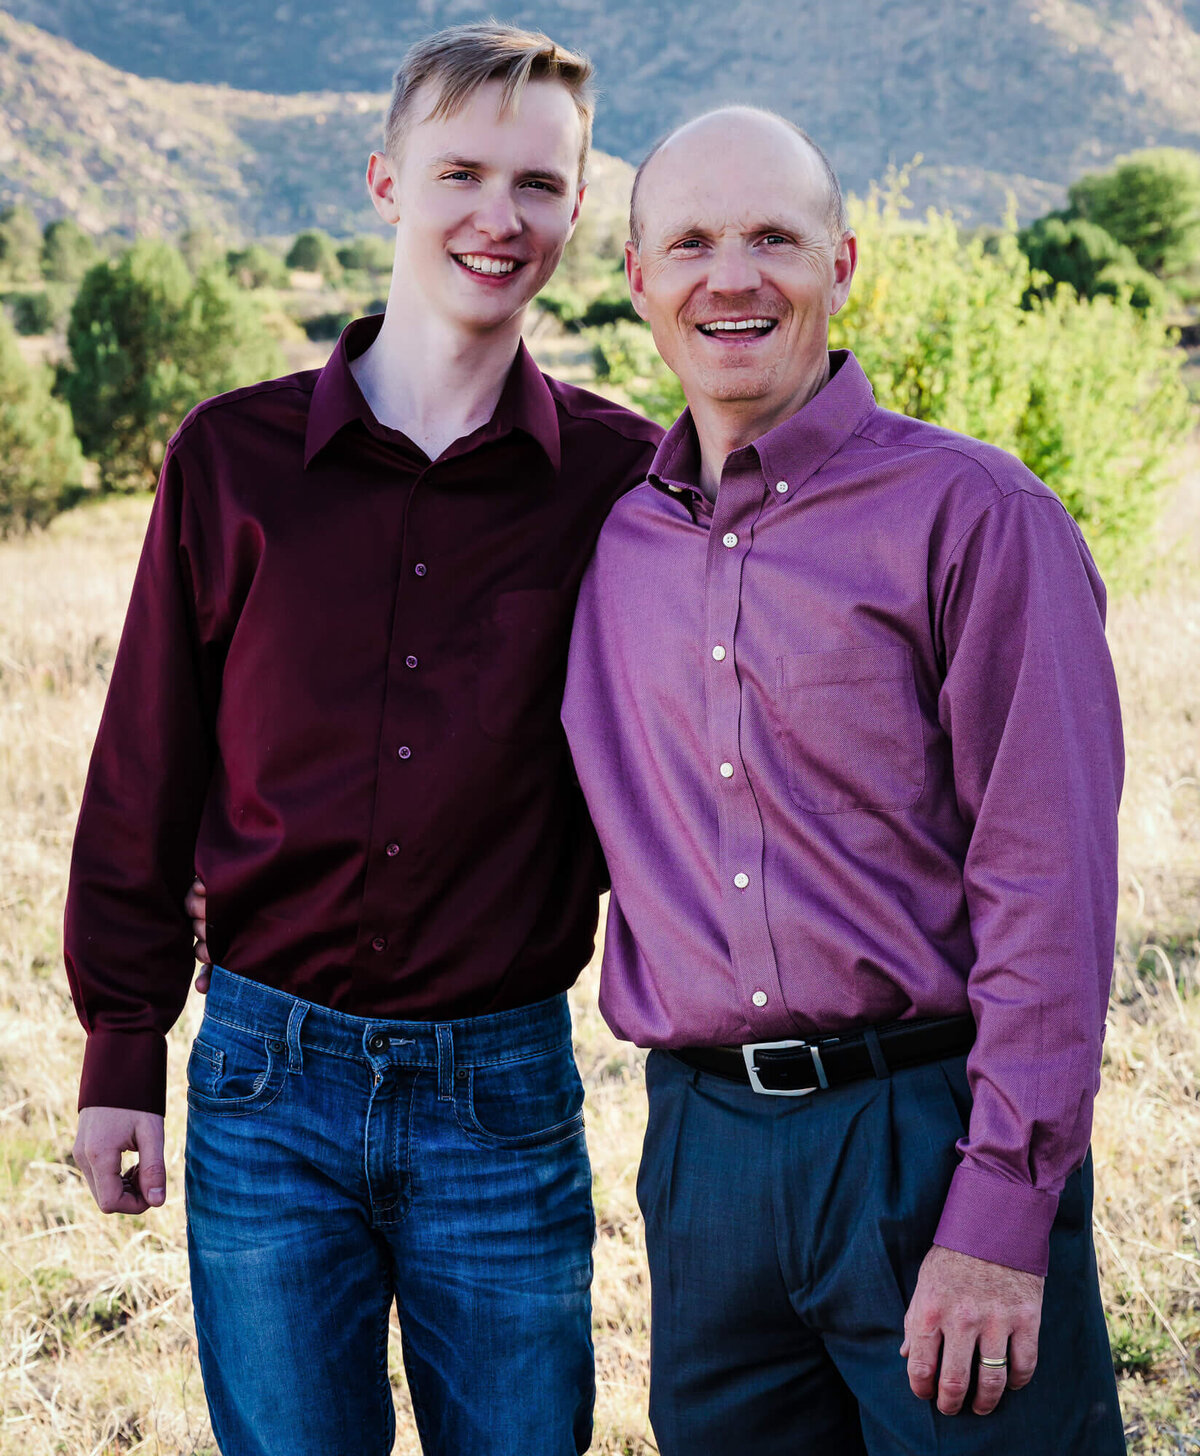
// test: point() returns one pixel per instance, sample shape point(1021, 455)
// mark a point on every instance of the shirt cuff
point(992, 1218)
point(125, 1069)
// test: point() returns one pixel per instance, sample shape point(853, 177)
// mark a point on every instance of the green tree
point(40, 459)
point(147, 342)
point(67, 251)
point(256, 267)
point(314, 252)
point(367, 254)
point(1075, 251)
point(20, 245)
point(1150, 201)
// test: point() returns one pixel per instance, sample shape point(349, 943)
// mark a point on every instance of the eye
point(540, 184)
point(688, 244)
point(776, 238)
point(458, 176)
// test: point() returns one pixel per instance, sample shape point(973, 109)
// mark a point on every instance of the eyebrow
point(767, 226)
point(539, 174)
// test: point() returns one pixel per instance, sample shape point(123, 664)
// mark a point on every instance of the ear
point(633, 276)
point(579, 196)
point(845, 261)
point(381, 186)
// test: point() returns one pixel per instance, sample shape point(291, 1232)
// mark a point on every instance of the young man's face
point(737, 272)
point(483, 201)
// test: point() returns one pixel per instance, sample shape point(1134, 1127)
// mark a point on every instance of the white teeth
point(479, 264)
point(730, 326)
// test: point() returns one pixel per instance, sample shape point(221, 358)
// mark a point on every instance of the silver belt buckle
point(750, 1048)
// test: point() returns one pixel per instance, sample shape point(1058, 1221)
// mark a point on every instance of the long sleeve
point(1029, 704)
point(128, 943)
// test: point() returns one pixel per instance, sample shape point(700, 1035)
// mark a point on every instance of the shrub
point(147, 342)
point(325, 326)
point(367, 254)
point(40, 459)
point(42, 312)
point(1075, 251)
point(1150, 201)
point(256, 267)
point(20, 245)
point(314, 252)
point(67, 251)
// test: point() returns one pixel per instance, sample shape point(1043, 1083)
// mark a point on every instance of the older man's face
point(737, 272)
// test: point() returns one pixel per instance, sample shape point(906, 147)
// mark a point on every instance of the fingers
point(990, 1380)
point(193, 901)
point(1023, 1349)
point(202, 980)
point(105, 1133)
point(958, 1358)
point(921, 1348)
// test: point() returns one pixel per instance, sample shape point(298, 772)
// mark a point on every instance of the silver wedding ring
point(994, 1362)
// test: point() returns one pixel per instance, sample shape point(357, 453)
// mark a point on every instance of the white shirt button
point(718, 653)
point(781, 486)
point(729, 539)
point(759, 998)
point(727, 770)
point(741, 880)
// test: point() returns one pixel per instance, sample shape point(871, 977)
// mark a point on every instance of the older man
point(840, 703)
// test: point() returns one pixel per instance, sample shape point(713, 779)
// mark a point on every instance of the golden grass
point(97, 1352)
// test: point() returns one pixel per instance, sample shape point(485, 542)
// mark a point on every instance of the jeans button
point(377, 1043)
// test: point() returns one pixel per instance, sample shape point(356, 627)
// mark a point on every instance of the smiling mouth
point(485, 267)
point(738, 329)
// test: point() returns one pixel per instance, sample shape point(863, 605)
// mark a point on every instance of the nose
point(497, 215)
point(732, 270)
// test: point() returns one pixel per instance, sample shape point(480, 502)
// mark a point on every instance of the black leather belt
point(794, 1068)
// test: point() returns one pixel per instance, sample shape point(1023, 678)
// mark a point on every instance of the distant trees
point(314, 252)
point(20, 245)
point(1150, 202)
point(1075, 251)
point(147, 342)
point(67, 251)
point(40, 459)
point(367, 254)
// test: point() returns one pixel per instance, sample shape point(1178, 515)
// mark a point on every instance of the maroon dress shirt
point(337, 698)
point(851, 743)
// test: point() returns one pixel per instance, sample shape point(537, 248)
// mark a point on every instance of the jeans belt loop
point(445, 1061)
point(875, 1052)
point(295, 1021)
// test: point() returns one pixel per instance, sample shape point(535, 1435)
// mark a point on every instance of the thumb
point(152, 1168)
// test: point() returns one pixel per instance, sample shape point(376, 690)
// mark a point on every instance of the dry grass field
point(97, 1352)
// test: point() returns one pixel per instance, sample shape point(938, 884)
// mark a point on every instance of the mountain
point(995, 94)
point(121, 152)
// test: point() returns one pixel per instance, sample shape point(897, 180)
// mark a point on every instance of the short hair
point(462, 58)
point(836, 210)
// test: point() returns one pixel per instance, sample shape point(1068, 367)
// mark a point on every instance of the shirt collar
point(526, 402)
point(793, 450)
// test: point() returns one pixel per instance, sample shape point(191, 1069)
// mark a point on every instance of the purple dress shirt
point(852, 745)
point(337, 696)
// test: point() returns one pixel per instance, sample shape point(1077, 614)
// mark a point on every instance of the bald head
point(735, 127)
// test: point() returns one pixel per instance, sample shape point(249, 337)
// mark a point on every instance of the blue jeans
point(336, 1163)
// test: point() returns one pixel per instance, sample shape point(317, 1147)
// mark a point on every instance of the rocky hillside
point(1023, 94)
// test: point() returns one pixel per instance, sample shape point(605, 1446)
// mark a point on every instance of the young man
point(337, 699)
point(840, 702)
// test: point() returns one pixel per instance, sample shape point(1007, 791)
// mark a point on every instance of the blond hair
point(462, 58)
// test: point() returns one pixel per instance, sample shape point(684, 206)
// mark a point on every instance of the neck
point(432, 380)
point(723, 426)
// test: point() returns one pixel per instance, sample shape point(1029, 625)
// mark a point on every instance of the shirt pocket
point(523, 664)
point(851, 729)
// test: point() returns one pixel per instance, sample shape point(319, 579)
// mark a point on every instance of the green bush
point(1150, 201)
point(256, 267)
point(40, 312)
point(1075, 251)
point(147, 342)
point(367, 254)
point(322, 327)
point(40, 459)
point(67, 251)
point(314, 252)
point(20, 246)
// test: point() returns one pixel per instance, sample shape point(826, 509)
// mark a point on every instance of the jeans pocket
point(534, 1102)
point(233, 1071)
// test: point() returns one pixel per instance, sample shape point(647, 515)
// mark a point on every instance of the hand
point(104, 1134)
point(195, 903)
point(962, 1305)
